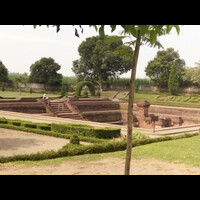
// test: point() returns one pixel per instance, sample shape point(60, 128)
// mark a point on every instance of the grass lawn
point(16, 94)
point(186, 151)
point(166, 99)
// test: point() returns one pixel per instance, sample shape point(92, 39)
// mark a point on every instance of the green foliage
point(3, 73)
point(158, 69)
point(44, 71)
point(80, 85)
point(102, 58)
point(31, 91)
point(82, 130)
point(137, 135)
point(64, 89)
point(3, 88)
point(85, 94)
point(173, 82)
point(192, 76)
point(74, 139)
point(98, 93)
point(100, 146)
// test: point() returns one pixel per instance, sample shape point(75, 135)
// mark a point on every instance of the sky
point(21, 46)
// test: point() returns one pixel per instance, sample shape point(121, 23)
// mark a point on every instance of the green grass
point(165, 99)
point(16, 94)
point(186, 151)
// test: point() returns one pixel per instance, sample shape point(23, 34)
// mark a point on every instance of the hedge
point(74, 150)
point(106, 133)
point(100, 146)
point(80, 85)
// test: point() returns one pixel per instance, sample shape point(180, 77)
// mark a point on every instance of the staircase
point(59, 109)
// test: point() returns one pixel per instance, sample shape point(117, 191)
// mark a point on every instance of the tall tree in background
point(143, 34)
point(102, 58)
point(44, 71)
point(173, 82)
point(158, 69)
point(3, 72)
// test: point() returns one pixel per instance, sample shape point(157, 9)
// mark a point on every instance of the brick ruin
point(105, 110)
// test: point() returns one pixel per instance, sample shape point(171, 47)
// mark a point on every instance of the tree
point(159, 68)
point(142, 33)
point(102, 58)
point(19, 81)
point(192, 75)
point(44, 71)
point(173, 82)
point(3, 72)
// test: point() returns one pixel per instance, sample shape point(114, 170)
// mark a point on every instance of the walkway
point(49, 119)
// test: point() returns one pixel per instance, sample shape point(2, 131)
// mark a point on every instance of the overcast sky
point(21, 46)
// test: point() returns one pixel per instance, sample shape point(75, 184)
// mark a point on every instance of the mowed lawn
point(164, 99)
point(16, 94)
point(185, 151)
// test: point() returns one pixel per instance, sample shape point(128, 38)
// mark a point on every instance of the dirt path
point(106, 166)
point(17, 142)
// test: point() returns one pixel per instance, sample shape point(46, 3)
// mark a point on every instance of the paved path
point(48, 119)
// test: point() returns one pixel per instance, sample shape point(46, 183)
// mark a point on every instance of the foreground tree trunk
point(130, 107)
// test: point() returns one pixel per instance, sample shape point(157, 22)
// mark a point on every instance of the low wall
point(39, 87)
point(186, 90)
point(102, 116)
point(23, 105)
point(189, 115)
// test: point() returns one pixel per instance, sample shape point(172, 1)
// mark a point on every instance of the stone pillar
point(143, 108)
point(144, 120)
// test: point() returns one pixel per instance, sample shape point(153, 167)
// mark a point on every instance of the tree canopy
point(102, 58)
point(159, 68)
point(44, 71)
point(3, 72)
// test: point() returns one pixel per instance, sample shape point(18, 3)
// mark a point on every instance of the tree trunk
point(100, 84)
point(130, 107)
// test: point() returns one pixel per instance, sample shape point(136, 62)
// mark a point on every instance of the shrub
point(44, 127)
point(85, 94)
point(98, 94)
point(90, 131)
point(3, 121)
point(29, 125)
point(80, 85)
point(74, 139)
point(139, 135)
point(15, 123)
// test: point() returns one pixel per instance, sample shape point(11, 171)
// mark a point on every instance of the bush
point(3, 121)
point(90, 131)
point(98, 94)
point(85, 94)
point(74, 139)
point(29, 125)
point(44, 127)
point(80, 85)
point(16, 123)
point(139, 135)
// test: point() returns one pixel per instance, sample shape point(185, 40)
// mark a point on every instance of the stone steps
point(59, 109)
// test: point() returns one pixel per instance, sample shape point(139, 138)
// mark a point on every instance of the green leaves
point(150, 31)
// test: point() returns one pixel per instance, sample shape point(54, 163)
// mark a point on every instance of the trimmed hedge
point(80, 85)
point(106, 133)
point(100, 146)
point(74, 150)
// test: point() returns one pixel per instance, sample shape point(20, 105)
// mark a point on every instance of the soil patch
point(106, 166)
point(17, 142)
